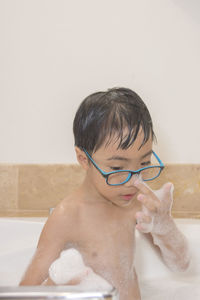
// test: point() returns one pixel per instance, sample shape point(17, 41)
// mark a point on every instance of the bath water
point(164, 289)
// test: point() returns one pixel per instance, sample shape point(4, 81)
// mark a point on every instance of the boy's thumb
point(168, 189)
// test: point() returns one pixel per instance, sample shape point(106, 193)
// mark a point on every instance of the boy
point(113, 142)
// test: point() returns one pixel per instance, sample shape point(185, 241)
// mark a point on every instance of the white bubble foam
point(70, 266)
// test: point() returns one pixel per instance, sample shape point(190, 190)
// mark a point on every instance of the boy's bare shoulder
point(68, 209)
point(61, 222)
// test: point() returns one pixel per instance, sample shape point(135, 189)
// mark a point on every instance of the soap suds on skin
point(162, 224)
point(157, 224)
point(70, 266)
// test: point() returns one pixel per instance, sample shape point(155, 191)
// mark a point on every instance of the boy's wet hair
point(118, 113)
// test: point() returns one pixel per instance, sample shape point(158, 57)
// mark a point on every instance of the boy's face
point(109, 158)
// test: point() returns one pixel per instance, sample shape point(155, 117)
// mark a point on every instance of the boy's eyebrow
point(148, 153)
point(117, 157)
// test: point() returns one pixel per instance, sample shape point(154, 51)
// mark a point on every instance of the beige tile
point(8, 186)
point(23, 213)
point(186, 180)
point(39, 187)
point(43, 186)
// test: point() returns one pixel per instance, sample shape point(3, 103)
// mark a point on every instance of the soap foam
point(158, 224)
point(162, 224)
point(70, 266)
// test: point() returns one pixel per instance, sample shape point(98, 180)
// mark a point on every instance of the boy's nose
point(131, 181)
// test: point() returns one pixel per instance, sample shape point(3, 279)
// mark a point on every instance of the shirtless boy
point(113, 132)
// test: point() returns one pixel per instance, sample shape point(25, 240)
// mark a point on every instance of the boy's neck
point(90, 194)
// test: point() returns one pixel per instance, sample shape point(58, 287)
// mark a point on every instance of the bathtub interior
point(19, 238)
point(156, 281)
point(149, 264)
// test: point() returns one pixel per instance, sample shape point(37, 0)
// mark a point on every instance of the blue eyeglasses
point(119, 177)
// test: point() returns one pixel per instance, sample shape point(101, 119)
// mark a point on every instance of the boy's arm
point(172, 247)
point(155, 219)
point(52, 240)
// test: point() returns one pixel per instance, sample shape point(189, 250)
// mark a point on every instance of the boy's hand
point(155, 216)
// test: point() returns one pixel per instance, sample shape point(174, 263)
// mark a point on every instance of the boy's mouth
point(128, 196)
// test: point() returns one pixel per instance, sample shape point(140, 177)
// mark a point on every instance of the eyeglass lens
point(146, 174)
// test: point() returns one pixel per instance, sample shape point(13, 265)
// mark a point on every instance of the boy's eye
point(146, 163)
point(116, 168)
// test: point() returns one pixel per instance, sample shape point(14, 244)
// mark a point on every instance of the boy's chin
point(124, 202)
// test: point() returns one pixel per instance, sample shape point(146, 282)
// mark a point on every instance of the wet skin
point(98, 220)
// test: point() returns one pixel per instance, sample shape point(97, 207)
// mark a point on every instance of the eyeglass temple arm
point(94, 164)
point(158, 159)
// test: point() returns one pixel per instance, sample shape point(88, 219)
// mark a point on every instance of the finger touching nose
point(132, 180)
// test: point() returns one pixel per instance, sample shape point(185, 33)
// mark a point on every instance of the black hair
point(102, 115)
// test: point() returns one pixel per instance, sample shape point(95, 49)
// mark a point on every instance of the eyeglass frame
point(131, 173)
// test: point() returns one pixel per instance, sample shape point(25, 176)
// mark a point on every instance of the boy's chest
point(107, 247)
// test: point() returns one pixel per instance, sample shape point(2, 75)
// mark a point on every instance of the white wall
point(54, 53)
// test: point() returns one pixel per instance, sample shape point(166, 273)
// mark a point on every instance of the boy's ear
point(81, 158)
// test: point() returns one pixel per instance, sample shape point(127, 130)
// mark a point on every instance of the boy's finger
point(142, 218)
point(166, 192)
point(146, 191)
point(142, 187)
point(169, 187)
point(151, 204)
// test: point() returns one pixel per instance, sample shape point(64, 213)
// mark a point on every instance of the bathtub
point(19, 237)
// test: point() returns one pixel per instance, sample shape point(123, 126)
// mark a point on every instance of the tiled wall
point(30, 190)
